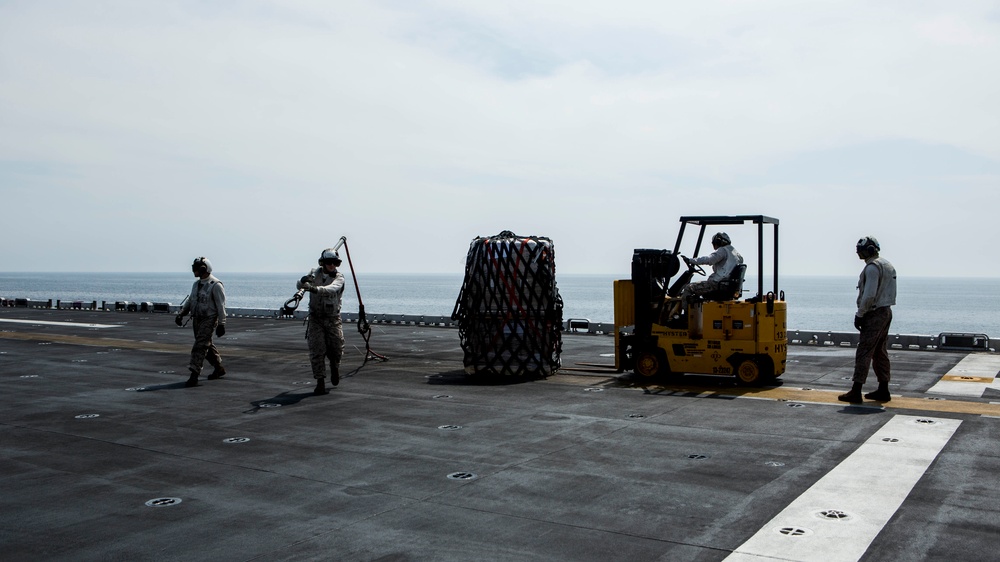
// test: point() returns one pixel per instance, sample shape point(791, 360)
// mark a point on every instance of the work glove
point(305, 279)
point(220, 330)
point(179, 320)
point(857, 322)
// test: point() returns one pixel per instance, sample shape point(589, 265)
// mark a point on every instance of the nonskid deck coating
point(413, 460)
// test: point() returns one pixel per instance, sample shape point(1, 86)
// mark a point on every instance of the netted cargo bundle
point(509, 311)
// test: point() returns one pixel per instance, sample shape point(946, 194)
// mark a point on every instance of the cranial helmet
point(868, 246)
point(328, 256)
point(721, 239)
point(200, 263)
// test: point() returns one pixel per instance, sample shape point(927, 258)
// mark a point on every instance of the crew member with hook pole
point(324, 332)
point(364, 328)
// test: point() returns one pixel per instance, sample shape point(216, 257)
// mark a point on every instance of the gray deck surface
point(580, 466)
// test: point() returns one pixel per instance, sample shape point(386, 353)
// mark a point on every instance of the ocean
point(925, 305)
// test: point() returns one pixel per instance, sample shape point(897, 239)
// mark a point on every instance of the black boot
point(334, 375)
point(218, 373)
point(192, 380)
point(881, 394)
point(320, 389)
point(853, 396)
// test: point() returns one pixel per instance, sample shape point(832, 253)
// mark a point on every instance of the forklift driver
point(722, 260)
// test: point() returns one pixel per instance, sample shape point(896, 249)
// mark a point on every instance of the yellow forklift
point(720, 333)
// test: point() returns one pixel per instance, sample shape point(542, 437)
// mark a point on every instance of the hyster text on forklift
point(718, 333)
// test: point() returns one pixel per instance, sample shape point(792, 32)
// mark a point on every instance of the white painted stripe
point(980, 365)
point(47, 323)
point(868, 486)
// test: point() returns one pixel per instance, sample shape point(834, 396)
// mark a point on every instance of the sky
point(136, 136)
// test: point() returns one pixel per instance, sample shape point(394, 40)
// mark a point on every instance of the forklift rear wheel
point(749, 373)
point(651, 363)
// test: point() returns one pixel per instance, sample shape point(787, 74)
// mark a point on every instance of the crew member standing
point(876, 294)
point(207, 305)
point(325, 331)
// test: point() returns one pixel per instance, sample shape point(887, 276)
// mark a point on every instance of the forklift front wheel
point(651, 363)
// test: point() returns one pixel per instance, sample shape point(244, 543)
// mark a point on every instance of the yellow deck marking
point(97, 342)
point(788, 395)
point(962, 378)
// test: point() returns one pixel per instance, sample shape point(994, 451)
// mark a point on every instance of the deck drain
point(167, 372)
point(933, 398)
point(449, 427)
point(236, 440)
point(79, 360)
point(890, 440)
point(29, 376)
point(774, 463)
point(87, 416)
point(967, 378)
point(269, 405)
point(304, 382)
point(44, 343)
point(834, 514)
point(462, 476)
point(636, 416)
point(136, 389)
point(593, 389)
point(163, 333)
point(163, 502)
point(439, 396)
point(925, 421)
point(795, 405)
point(697, 457)
point(793, 531)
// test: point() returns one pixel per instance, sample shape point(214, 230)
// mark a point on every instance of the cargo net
point(509, 311)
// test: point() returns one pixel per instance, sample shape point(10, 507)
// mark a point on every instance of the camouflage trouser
point(204, 329)
point(326, 341)
point(698, 288)
point(872, 350)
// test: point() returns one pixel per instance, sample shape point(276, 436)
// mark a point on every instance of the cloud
point(266, 130)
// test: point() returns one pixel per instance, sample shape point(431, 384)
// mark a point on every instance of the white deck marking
point(48, 323)
point(867, 487)
point(977, 365)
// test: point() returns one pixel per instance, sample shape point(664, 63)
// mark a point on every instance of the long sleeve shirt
point(722, 260)
point(876, 285)
point(329, 292)
point(207, 299)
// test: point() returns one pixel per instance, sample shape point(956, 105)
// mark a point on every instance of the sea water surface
point(924, 305)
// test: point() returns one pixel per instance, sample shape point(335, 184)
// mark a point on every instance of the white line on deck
point(863, 491)
point(48, 323)
point(977, 365)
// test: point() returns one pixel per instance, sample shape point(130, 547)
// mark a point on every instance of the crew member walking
point(876, 294)
point(325, 332)
point(207, 305)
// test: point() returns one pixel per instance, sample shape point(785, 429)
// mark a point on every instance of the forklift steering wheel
point(694, 267)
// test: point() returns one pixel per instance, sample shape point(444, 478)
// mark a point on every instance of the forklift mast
point(651, 271)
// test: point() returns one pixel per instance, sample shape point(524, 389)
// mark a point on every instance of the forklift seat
point(730, 288)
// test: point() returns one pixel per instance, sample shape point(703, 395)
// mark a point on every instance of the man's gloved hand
point(305, 279)
point(220, 330)
point(311, 288)
point(857, 322)
point(179, 320)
